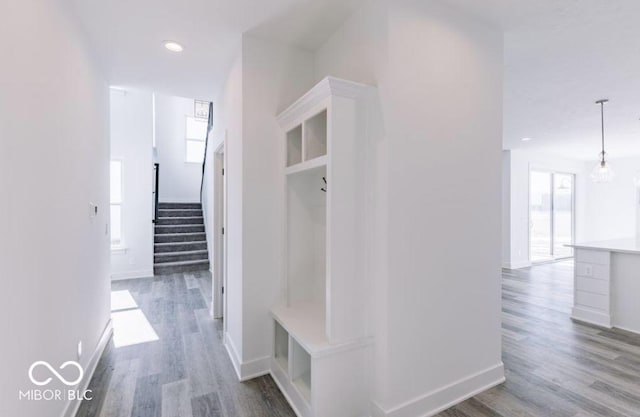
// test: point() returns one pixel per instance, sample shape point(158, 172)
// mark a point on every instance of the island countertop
point(628, 245)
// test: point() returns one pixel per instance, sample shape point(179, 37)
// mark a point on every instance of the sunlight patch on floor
point(130, 325)
point(122, 300)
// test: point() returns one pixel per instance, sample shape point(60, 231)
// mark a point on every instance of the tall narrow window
point(196, 134)
point(116, 203)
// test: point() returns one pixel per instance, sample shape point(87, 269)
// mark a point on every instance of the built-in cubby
point(320, 337)
point(315, 136)
point(294, 146)
point(301, 370)
point(281, 347)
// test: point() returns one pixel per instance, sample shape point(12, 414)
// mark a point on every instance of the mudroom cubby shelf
point(318, 378)
point(320, 330)
point(294, 146)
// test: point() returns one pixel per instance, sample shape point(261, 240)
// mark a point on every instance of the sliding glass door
point(551, 215)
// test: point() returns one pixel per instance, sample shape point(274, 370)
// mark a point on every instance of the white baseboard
point(439, 400)
point(71, 408)
point(146, 273)
point(516, 265)
point(233, 354)
point(627, 329)
point(591, 316)
point(246, 370)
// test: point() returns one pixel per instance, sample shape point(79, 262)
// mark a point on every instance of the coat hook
point(324, 189)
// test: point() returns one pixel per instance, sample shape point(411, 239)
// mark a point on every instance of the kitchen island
point(607, 284)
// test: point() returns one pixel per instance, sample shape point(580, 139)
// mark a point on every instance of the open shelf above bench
point(307, 165)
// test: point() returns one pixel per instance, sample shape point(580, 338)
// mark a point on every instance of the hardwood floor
point(185, 372)
point(556, 367)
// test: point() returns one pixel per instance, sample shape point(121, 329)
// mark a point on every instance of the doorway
point(551, 215)
point(220, 242)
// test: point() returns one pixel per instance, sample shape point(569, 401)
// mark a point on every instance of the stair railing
point(206, 145)
point(156, 171)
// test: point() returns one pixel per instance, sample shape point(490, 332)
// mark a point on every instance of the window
point(196, 134)
point(116, 203)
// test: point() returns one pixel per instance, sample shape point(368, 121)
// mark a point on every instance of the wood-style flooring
point(186, 372)
point(555, 367)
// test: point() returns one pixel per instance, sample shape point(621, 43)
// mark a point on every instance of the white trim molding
point(326, 88)
point(443, 398)
point(587, 315)
point(71, 408)
point(246, 370)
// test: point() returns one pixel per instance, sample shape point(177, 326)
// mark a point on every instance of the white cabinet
point(592, 287)
point(320, 332)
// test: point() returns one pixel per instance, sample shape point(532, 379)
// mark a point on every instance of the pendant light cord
point(602, 122)
point(601, 103)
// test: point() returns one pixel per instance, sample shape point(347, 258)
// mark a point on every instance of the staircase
point(180, 243)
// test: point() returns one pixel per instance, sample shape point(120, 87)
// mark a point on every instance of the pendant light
point(602, 172)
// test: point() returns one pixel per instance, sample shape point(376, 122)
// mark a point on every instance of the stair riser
point(165, 270)
point(179, 213)
point(178, 221)
point(179, 258)
point(183, 206)
point(181, 247)
point(179, 229)
point(179, 238)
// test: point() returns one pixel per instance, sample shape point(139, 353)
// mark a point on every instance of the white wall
point(227, 122)
point(506, 209)
point(435, 174)
point(516, 218)
point(54, 161)
point(274, 76)
point(611, 208)
point(265, 78)
point(131, 143)
point(436, 263)
point(179, 180)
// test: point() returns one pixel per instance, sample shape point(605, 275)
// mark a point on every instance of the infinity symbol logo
point(53, 371)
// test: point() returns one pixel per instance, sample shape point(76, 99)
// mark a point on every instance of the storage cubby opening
point(301, 370)
point(294, 146)
point(315, 136)
point(306, 236)
point(281, 348)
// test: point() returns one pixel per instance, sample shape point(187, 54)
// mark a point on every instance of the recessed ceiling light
point(173, 46)
point(525, 139)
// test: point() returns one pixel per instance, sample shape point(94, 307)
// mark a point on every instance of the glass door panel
point(540, 218)
point(562, 215)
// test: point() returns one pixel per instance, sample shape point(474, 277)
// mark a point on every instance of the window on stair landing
point(196, 134)
point(116, 203)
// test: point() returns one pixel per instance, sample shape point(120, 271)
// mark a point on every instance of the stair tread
point(192, 242)
point(190, 252)
point(180, 263)
point(182, 234)
point(176, 225)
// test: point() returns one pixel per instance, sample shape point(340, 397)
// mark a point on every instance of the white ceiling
point(560, 57)
point(127, 36)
